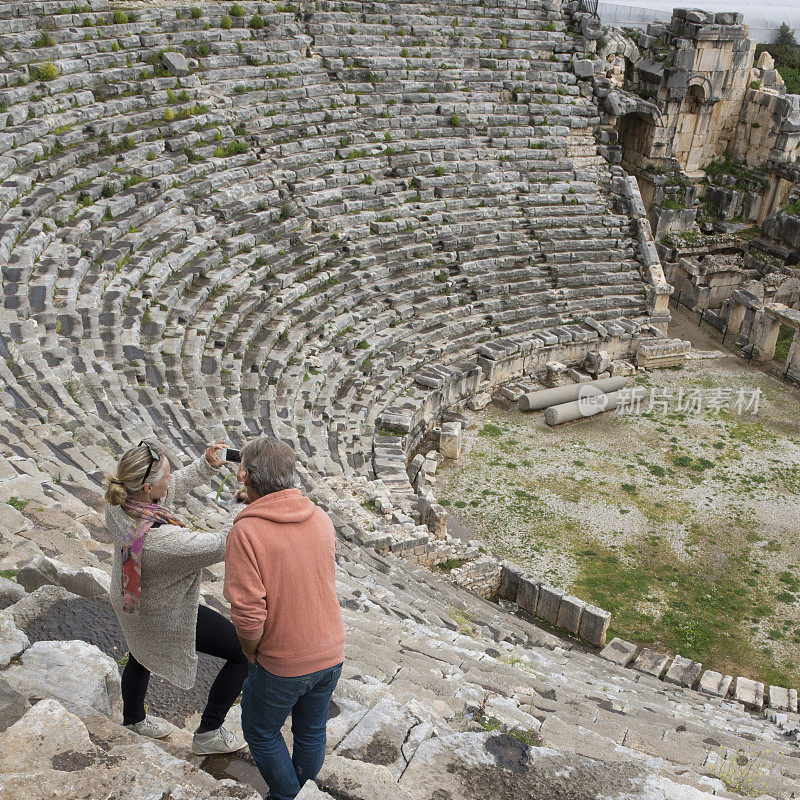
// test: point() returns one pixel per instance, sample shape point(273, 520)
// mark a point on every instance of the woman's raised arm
point(183, 480)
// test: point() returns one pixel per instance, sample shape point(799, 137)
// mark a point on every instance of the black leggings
point(215, 636)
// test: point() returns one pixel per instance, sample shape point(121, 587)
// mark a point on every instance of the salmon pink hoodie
point(279, 580)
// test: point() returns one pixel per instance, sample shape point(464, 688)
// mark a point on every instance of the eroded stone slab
point(619, 652)
point(748, 692)
point(43, 733)
point(651, 662)
point(80, 675)
point(379, 736)
point(683, 672)
point(10, 592)
point(12, 705)
point(62, 756)
point(43, 571)
point(311, 791)
point(715, 683)
point(12, 640)
point(359, 780)
point(465, 766)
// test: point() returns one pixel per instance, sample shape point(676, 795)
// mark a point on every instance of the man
point(279, 580)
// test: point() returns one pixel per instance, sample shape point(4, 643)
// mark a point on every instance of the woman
point(155, 592)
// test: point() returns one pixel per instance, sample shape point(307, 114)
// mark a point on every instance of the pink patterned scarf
point(146, 514)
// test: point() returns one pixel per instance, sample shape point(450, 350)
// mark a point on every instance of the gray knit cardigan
point(161, 635)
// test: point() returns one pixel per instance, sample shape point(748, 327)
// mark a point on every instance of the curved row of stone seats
point(203, 306)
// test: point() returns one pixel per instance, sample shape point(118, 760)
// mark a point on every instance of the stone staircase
point(444, 691)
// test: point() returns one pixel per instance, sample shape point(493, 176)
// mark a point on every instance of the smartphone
point(233, 455)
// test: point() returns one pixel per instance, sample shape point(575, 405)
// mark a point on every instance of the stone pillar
point(658, 297)
point(764, 336)
point(748, 322)
point(450, 440)
point(736, 318)
point(793, 359)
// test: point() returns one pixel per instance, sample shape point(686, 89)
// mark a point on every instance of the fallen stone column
point(544, 398)
point(591, 404)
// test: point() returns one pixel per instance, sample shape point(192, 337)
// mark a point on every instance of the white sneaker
point(220, 740)
point(152, 727)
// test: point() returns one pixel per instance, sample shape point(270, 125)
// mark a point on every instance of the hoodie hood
point(287, 505)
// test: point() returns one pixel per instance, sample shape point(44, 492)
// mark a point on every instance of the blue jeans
point(267, 700)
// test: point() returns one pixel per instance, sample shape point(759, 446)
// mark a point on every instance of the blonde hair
point(130, 474)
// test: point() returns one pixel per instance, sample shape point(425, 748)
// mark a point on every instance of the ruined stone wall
point(757, 137)
point(711, 64)
point(686, 95)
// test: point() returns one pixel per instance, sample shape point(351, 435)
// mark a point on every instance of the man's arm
point(244, 590)
point(249, 648)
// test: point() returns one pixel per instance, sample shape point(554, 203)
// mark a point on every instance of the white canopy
point(763, 16)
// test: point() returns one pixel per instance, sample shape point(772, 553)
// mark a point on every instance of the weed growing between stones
point(450, 564)
point(464, 624)
point(742, 771)
point(489, 723)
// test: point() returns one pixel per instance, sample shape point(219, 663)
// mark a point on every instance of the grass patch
point(491, 430)
point(450, 564)
point(707, 610)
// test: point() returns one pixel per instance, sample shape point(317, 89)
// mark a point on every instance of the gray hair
point(270, 463)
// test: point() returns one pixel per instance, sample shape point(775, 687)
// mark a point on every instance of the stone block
point(556, 374)
point(311, 791)
point(715, 683)
point(435, 518)
point(728, 18)
point(569, 614)
point(619, 652)
point(479, 401)
point(12, 640)
point(176, 63)
point(510, 575)
point(583, 67)
point(778, 698)
point(749, 693)
point(651, 662)
point(683, 672)
point(80, 675)
point(450, 440)
point(12, 705)
point(662, 353)
point(594, 625)
point(43, 571)
point(597, 361)
point(548, 604)
point(10, 592)
point(528, 594)
point(766, 61)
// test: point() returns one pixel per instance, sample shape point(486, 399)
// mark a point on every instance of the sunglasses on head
point(155, 458)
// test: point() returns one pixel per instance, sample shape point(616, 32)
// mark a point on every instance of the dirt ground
point(683, 520)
